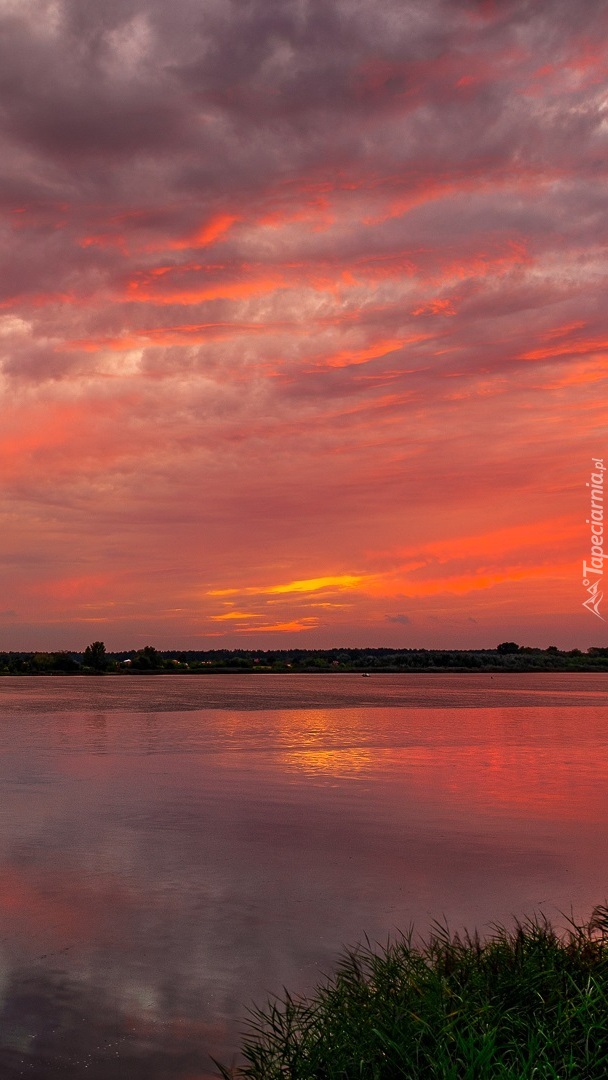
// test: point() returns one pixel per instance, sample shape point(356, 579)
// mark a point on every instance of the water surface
point(173, 848)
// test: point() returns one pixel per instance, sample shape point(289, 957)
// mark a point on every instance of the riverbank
point(527, 1002)
point(508, 657)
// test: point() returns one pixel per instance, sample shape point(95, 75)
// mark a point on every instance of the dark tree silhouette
point(95, 656)
point(147, 658)
point(507, 647)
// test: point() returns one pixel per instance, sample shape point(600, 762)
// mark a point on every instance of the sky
point(303, 321)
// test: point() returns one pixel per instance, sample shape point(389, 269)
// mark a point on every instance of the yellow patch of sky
point(306, 585)
point(237, 615)
point(306, 623)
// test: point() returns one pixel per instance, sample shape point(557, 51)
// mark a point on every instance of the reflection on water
point(340, 762)
point(56, 1026)
point(173, 848)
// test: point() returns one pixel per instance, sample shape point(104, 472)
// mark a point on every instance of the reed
point(528, 1002)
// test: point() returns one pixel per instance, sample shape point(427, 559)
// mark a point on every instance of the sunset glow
point(303, 322)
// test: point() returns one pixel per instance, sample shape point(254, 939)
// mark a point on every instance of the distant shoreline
point(95, 660)
point(585, 670)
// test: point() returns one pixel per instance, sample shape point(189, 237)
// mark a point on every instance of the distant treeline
point(95, 660)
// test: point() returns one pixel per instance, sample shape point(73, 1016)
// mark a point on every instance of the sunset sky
point(303, 321)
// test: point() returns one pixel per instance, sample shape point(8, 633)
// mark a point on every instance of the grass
point(524, 1003)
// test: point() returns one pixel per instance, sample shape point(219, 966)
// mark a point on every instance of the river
point(174, 848)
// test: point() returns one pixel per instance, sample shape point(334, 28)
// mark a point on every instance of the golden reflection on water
point(330, 762)
point(316, 732)
point(309, 727)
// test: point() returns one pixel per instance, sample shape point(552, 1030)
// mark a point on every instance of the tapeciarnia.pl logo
point(593, 571)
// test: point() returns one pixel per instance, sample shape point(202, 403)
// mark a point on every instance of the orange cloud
point(306, 585)
point(183, 334)
point(498, 542)
point(482, 177)
point(460, 584)
point(293, 626)
point(399, 583)
point(562, 331)
point(435, 307)
point(568, 348)
point(348, 357)
point(217, 226)
point(142, 292)
point(580, 375)
point(315, 208)
point(484, 264)
point(236, 615)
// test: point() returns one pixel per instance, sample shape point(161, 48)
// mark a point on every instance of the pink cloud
point(329, 304)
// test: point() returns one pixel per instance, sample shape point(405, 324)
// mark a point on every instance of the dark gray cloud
point(240, 94)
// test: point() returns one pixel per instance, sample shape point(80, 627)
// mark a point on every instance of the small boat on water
point(365, 675)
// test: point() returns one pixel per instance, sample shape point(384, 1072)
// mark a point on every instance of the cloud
point(310, 585)
point(285, 286)
point(403, 619)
